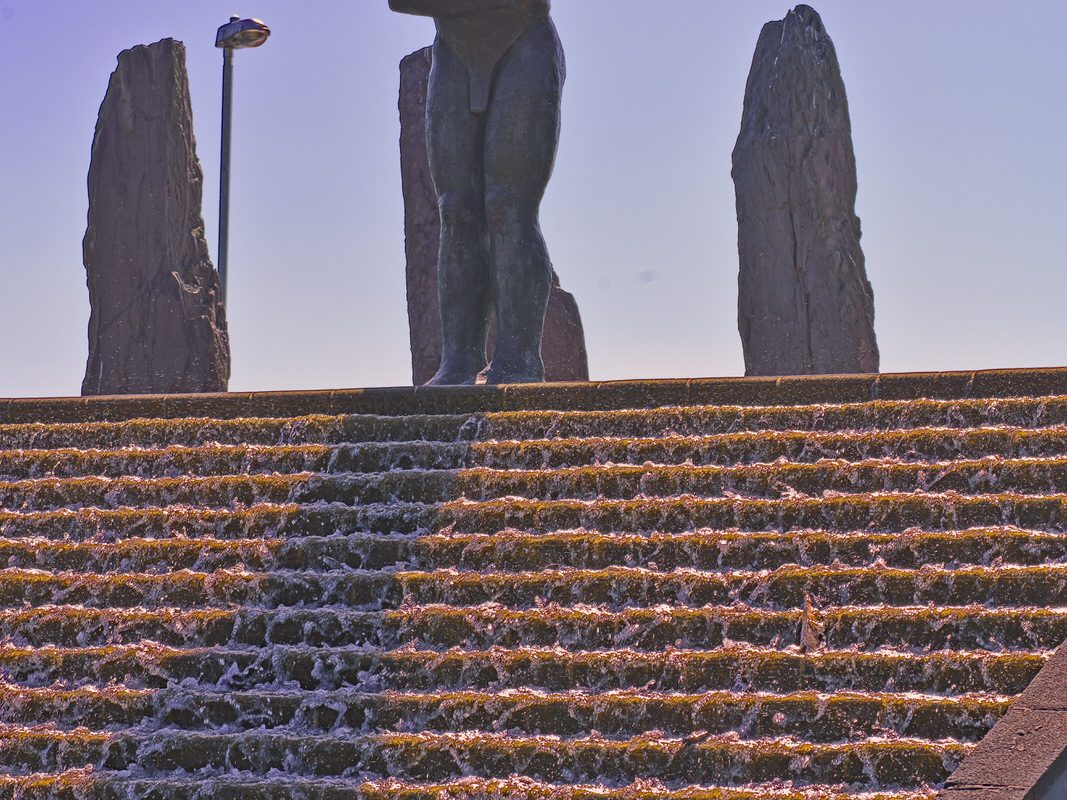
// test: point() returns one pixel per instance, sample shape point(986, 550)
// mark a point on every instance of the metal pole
point(224, 169)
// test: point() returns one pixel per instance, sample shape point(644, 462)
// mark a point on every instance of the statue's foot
point(448, 376)
point(525, 374)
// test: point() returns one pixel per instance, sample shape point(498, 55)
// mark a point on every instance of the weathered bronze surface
point(493, 118)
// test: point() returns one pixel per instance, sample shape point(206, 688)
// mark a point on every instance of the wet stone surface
point(700, 603)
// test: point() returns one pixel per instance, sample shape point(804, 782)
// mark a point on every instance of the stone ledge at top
point(598, 396)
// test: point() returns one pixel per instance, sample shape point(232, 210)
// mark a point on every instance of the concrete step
point(861, 628)
point(689, 420)
point(750, 447)
point(736, 667)
point(611, 588)
point(436, 757)
point(513, 551)
point(100, 785)
point(883, 512)
point(819, 718)
point(1031, 476)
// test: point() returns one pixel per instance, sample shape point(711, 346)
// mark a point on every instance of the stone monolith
point(157, 322)
point(805, 305)
point(563, 344)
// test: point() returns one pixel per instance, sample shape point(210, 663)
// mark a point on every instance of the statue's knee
point(458, 210)
point(505, 212)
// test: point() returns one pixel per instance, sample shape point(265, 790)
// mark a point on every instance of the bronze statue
point(493, 115)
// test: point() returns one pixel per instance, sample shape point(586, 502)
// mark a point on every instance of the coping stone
point(607, 395)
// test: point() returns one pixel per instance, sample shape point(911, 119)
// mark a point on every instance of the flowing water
point(828, 602)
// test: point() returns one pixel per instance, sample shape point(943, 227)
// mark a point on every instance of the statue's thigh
point(522, 124)
point(454, 136)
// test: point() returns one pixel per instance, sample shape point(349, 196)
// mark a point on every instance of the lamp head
point(239, 33)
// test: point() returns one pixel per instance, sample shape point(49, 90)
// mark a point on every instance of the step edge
point(395, 401)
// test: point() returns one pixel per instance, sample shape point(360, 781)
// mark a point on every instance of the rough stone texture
point(421, 220)
point(805, 305)
point(563, 347)
point(1025, 753)
point(157, 323)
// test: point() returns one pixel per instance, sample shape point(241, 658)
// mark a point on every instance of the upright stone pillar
point(805, 305)
point(157, 323)
point(563, 345)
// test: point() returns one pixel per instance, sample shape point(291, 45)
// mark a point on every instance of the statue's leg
point(455, 145)
point(522, 131)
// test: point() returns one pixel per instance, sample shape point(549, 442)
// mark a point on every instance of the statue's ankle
point(453, 374)
point(530, 370)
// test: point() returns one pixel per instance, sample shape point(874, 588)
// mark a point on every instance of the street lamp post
point(236, 34)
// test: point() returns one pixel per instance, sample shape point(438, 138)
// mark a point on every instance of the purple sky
point(959, 113)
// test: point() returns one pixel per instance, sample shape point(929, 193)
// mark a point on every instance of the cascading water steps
point(794, 602)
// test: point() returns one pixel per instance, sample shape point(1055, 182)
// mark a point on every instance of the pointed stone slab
point(805, 305)
point(157, 322)
point(563, 346)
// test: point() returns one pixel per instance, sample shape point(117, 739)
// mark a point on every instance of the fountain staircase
point(790, 589)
